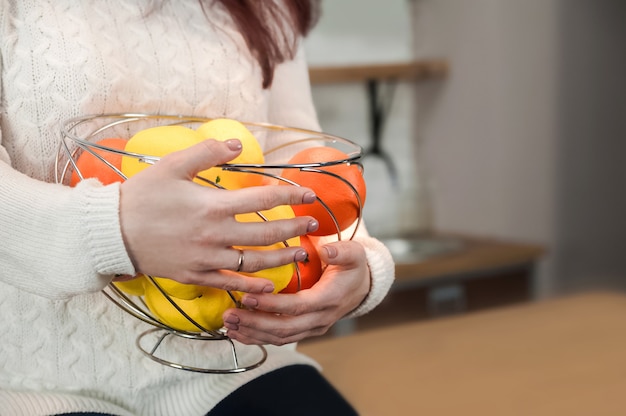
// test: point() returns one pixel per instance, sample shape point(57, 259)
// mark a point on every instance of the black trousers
point(297, 390)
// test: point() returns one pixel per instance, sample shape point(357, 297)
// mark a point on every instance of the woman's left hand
point(280, 319)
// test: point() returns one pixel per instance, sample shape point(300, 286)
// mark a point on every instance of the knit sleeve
point(382, 272)
point(292, 105)
point(59, 241)
point(4, 156)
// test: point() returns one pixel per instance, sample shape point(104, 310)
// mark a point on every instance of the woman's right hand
point(176, 228)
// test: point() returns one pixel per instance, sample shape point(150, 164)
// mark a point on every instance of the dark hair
point(269, 28)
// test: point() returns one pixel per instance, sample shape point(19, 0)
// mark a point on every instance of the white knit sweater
point(64, 346)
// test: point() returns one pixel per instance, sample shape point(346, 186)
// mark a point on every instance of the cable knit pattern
point(64, 346)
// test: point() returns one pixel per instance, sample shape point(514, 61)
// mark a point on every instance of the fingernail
point(331, 251)
point(300, 255)
point(309, 198)
point(232, 327)
point(231, 319)
point(268, 289)
point(250, 302)
point(312, 226)
point(233, 144)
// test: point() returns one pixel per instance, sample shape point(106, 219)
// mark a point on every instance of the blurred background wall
point(525, 139)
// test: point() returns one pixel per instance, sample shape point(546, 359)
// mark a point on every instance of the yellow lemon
point(280, 275)
point(134, 286)
point(179, 290)
point(223, 129)
point(158, 142)
point(206, 310)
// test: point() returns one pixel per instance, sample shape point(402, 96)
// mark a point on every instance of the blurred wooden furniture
point(418, 70)
point(556, 357)
point(464, 256)
point(374, 77)
point(458, 273)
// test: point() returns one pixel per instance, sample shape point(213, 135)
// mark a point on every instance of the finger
point(250, 261)
point(253, 327)
point(228, 280)
point(260, 198)
point(188, 162)
point(316, 299)
point(344, 253)
point(260, 338)
point(265, 233)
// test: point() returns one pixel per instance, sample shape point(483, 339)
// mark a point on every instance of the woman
point(66, 348)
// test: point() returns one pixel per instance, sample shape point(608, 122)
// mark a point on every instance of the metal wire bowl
point(81, 134)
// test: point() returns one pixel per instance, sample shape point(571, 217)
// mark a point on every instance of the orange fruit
point(310, 269)
point(338, 196)
point(91, 166)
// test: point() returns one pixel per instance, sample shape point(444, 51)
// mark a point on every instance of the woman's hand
point(175, 228)
point(284, 318)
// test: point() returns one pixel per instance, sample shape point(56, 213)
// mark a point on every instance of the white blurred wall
point(498, 150)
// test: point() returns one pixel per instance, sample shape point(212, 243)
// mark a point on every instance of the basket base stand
point(150, 343)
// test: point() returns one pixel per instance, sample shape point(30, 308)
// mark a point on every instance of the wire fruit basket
point(86, 134)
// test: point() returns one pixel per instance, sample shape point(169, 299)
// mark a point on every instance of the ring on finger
point(240, 261)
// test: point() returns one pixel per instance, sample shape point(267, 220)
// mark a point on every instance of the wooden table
point(469, 256)
point(419, 70)
point(473, 273)
point(558, 357)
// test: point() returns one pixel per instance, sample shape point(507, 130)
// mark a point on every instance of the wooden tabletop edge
point(403, 71)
